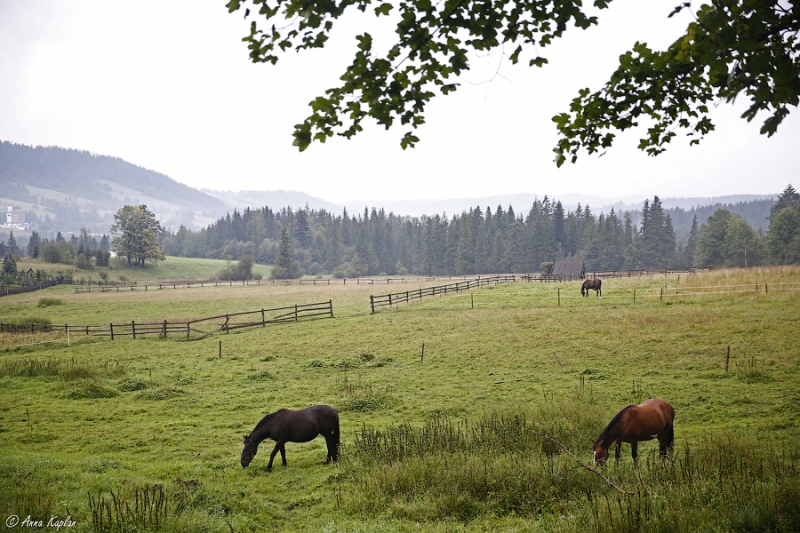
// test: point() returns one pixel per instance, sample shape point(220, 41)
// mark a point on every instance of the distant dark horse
point(592, 284)
point(649, 420)
point(294, 426)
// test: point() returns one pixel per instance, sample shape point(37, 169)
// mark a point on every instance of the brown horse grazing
point(649, 420)
point(294, 426)
point(592, 284)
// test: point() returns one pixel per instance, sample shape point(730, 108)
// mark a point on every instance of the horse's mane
point(265, 420)
point(613, 424)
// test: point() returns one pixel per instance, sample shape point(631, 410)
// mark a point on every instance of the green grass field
point(440, 443)
point(171, 269)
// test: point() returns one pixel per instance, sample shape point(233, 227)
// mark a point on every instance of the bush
point(241, 271)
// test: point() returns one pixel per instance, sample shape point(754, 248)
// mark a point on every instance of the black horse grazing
point(592, 284)
point(649, 420)
point(294, 426)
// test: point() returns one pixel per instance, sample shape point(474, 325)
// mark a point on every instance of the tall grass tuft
point(147, 508)
point(47, 302)
point(31, 367)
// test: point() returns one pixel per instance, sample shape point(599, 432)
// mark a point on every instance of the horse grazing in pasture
point(649, 420)
point(303, 425)
point(592, 284)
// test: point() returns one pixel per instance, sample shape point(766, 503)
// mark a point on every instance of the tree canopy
point(732, 47)
point(136, 233)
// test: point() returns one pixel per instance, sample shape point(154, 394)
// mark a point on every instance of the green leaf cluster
point(732, 48)
point(431, 49)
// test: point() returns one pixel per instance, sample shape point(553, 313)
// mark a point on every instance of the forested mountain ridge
point(69, 189)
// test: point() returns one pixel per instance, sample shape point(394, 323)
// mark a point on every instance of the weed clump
point(47, 302)
point(364, 399)
point(88, 390)
point(131, 385)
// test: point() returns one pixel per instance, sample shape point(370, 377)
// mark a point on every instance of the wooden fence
point(5, 290)
point(187, 284)
point(211, 325)
point(637, 272)
point(418, 294)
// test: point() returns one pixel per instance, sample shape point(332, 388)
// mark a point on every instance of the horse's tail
point(669, 438)
point(336, 438)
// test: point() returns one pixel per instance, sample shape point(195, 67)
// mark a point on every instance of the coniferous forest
point(478, 241)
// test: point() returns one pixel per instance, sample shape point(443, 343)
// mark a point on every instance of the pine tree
point(286, 267)
point(11, 245)
point(9, 266)
point(787, 198)
point(691, 244)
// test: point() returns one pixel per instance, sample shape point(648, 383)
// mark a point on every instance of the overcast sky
point(168, 86)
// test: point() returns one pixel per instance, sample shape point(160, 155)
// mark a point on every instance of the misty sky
point(168, 86)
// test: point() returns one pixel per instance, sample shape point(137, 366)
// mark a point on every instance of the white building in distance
point(15, 218)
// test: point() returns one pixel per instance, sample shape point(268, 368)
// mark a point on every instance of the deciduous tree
point(732, 48)
point(135, 235)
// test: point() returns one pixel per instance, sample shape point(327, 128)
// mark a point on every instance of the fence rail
point(165, 328)
point(188, 284)
point(389, 300)
point(8, 291)
point(749, 288)
point(638, 272)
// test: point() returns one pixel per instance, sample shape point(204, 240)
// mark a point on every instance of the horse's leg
point(634, 451)
point(283, 453)
point(278, 446)
point(617, 451)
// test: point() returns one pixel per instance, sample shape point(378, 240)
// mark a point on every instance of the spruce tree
point(286, 267)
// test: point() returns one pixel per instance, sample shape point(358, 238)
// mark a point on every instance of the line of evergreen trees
point(474, 242)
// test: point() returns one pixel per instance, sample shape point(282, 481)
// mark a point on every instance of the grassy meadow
point(146, 434)
point(171, 269)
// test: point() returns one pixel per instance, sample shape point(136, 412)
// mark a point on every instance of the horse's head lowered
point(599, 452)
point(250, 450)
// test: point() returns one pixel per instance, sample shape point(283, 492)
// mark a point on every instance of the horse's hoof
point(268, 470)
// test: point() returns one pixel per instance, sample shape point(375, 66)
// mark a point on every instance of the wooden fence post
point(390, 300)
point(263, 321)
point(188, 329)
point(133, 328)
point(372, 302)
point(727, 358)
point(110, 327)
point(164, 330)
point(330, 305)
point(295, 313)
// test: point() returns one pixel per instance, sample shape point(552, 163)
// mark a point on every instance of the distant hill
point(65, 189)
point(274, 199)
